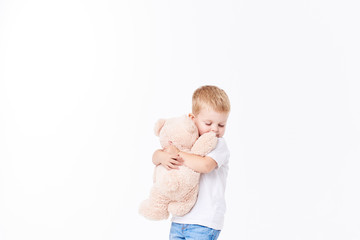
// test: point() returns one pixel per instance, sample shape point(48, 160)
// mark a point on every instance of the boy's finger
point(179, 159)
point(175, 162)
point(172, 166)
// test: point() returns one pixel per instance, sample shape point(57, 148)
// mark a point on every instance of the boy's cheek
point(204, 130)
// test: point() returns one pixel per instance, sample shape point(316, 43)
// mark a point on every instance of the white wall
point(83, 82)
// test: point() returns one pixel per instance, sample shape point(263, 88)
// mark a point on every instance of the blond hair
point(210, 97)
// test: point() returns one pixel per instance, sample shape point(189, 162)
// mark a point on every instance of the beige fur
point(175, 191)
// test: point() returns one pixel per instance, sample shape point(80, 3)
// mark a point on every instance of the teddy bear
point(175, 191)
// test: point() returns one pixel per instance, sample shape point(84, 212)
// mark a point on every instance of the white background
point(83, 82)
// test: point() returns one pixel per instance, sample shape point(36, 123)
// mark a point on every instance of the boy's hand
point(174, 160)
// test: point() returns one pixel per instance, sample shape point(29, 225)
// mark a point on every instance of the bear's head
point(180, 131)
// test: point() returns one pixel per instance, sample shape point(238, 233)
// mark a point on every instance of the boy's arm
point(198, 163)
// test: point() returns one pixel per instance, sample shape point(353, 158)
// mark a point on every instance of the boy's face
point(210, 121)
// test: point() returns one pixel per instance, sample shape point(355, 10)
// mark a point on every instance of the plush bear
point(175, 191)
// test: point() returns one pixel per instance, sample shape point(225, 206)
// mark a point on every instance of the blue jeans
point(192, 232)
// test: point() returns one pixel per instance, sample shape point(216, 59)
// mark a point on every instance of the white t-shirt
point(210, 207)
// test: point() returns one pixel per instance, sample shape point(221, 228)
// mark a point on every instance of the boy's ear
point(158, 126)
point(191, 116)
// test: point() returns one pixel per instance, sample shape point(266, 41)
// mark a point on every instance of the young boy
point(210, 111)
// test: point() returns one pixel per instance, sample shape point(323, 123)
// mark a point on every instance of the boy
point(210, 111)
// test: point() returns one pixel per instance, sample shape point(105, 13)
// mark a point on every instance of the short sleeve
point(221, 152)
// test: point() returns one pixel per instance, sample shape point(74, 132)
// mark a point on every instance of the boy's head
point(210, 110)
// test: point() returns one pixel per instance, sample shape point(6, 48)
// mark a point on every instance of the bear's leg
point(155, 207)
point(183, 206)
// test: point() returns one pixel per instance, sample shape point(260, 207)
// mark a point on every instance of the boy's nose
point(214, 129)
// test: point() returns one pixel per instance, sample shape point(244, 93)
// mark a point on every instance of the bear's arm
point(205, 144)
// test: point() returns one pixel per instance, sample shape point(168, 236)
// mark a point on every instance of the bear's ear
point(158, 126)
